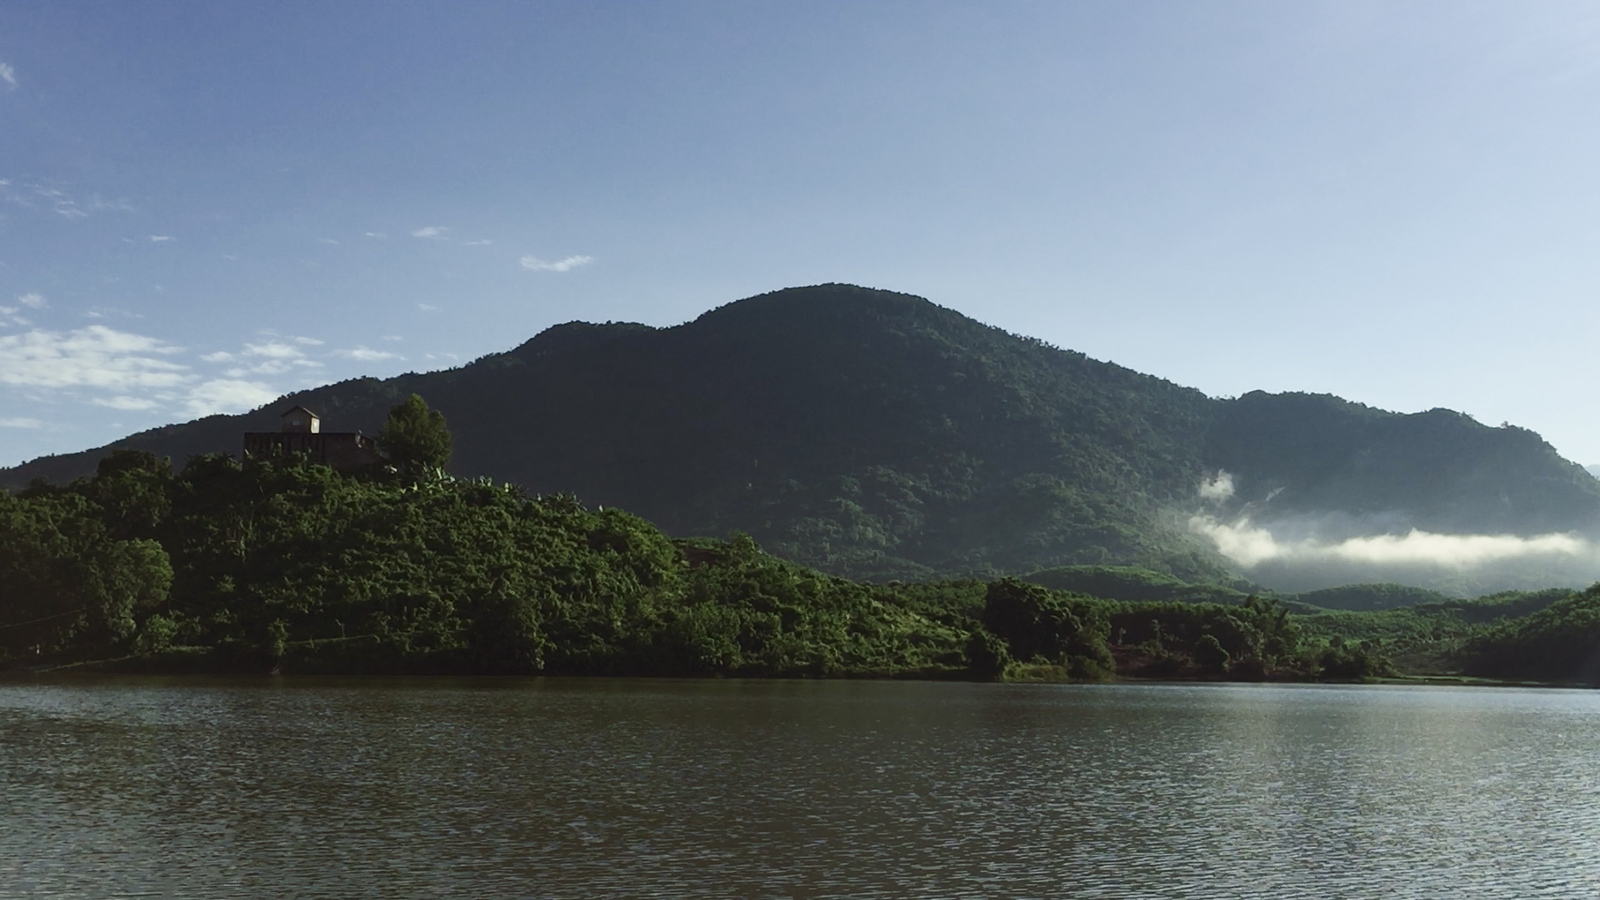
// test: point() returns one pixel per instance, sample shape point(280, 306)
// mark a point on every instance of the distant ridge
point(879, 435)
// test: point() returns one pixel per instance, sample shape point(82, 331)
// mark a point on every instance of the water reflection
point(572, 788)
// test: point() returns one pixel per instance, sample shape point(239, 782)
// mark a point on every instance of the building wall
point(341, 450)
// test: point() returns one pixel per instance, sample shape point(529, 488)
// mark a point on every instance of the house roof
point(302, 409)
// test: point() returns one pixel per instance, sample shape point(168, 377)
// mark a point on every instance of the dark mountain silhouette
point(878, 435)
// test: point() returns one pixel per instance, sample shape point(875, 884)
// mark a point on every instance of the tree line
point(281, 564)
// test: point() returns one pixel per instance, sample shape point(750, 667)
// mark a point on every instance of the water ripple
point(583, 789)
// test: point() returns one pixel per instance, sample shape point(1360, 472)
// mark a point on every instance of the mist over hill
point(877, 435)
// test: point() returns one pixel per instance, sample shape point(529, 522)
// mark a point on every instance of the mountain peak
point(876, 434)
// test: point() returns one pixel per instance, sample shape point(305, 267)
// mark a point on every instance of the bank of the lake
point(597, 787)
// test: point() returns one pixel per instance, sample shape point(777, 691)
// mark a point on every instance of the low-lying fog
point(1306, 552)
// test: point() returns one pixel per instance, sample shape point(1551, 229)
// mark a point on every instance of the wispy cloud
point(106, 312)
point(329, 241)
point(1390, 556)
point(427, 307)
point(45, 194)
point(8, 75)
point(432, 231)
point(484, 242)
point(1217, 488)
point(227, 396)
point(273, 350)
point(126, 402)
point(21, 423)
point(535, 264)
point(32, 300)
point(96, 357)
point(274, 356)
point(367, 354)
point(8, 316)
point(160, 238)
point(376, 234)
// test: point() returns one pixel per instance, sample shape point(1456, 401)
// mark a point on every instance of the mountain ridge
point(878, 435)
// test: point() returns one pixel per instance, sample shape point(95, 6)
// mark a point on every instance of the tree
point(1210, 655)
point(416, 437)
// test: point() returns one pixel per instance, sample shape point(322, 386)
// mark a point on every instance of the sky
point(206, 205)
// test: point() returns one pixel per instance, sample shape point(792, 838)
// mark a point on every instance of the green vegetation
point(877, 436)
point(279, 563)
point(1371, 597)
point(1132, 583)
point(416, 438)
point(1560, 642)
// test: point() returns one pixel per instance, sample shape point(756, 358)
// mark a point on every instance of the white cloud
point(1251, 546)
point(479, 243)
point(21, 423)
point(329, 241)
point(33, 194)
point(270, 367)
point(8, 315)
point(126, 402)
point(274, 356)
point(427, 307)
point(105, 312)
point(160, 238)
point(432, 231)
point(376, 234)
point(96, 357)
point(535, 264)
point(8, 75)
point(227, 396)
point(273, 350)
point(32, 301)
point(1216, 488)
point(367, 354)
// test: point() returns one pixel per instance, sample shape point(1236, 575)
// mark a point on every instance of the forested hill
point(878, 435)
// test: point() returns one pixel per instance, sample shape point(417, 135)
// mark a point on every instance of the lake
point(570, 788)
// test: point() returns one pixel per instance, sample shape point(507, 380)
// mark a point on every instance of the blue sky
point(206, 205)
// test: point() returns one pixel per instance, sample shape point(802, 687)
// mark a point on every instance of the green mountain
point(880, 436)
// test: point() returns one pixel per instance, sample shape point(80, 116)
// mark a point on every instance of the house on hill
point(302, 433)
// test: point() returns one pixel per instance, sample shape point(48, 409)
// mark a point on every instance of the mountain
point(878, 435)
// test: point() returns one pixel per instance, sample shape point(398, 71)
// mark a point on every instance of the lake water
point(556, 788)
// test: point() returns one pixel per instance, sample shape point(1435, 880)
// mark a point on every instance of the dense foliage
point(416, 438)
point(280, 563)
point(1132, 583)
point(1370, 596)
point(74, 578)
point(876, 435)
point(1560, 642)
